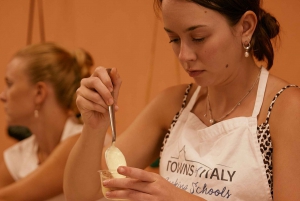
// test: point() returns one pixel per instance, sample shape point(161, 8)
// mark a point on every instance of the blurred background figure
point(41, 80)
point(18, 132)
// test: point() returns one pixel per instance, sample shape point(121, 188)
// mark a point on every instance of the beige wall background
point(125, 34)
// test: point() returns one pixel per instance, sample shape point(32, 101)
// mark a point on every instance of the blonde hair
point(48, 62)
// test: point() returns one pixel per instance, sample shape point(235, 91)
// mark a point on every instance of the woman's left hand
point(141, 185)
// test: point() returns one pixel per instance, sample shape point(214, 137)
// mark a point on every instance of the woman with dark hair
point(235, 135)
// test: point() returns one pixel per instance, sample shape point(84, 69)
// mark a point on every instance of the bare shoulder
point(160, 111)
point(274, 86)
point(285, 115)
point(175, 94)
point(286, 109)
point(287, 96)
point(170, 100)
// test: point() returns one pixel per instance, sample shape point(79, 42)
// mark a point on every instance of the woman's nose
point(186, 53)
point(3, 96)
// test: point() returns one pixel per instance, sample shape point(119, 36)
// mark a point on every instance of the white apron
point(220, 162)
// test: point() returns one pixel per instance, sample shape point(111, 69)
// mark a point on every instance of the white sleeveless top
point(219, 162)
point(21, 159)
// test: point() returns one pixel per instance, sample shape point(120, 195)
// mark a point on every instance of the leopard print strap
point(274, 99)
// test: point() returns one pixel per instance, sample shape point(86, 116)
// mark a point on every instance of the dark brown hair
point(266, 29)
point(48, 62)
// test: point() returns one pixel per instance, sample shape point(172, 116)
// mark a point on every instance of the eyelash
point(198, 39)
point(173, 40)
point(194, 39)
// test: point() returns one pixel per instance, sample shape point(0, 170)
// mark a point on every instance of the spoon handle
point(112, 121)
point(111, 110)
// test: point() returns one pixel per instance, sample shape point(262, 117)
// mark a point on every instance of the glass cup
point(109, 174)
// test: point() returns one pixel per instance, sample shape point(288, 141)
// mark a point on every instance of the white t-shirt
point(21, 159)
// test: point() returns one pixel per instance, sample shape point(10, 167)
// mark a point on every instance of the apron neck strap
point(260, 91)
point(191, 103)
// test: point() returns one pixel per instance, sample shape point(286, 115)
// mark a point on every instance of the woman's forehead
point(16, 68)
point(187, 13)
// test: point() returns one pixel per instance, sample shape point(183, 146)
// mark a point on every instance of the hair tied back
point(269, 24)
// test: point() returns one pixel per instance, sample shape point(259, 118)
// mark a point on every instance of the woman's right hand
point(94, 96)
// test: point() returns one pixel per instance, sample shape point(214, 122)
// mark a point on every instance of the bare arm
point(285, 133)
point(6, 177)
point(140, 143)
point(46, 181)
point(81, 179)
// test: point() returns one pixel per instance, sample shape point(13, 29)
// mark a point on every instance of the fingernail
point(110, 89)
point(121, 169)
point(116, 107)
point(105, 182)
point(107, 194)
point(110, 101)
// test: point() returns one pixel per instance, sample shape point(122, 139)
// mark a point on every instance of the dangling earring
point(36, 113)
point(247, 47)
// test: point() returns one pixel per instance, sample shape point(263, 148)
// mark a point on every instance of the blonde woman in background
point(41, 83)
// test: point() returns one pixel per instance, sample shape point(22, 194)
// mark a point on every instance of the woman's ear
point(41, 92)
point(248, 22)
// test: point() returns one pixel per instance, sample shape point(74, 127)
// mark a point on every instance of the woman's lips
point(195, 73)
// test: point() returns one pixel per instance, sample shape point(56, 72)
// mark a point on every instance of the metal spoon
point(113, 156)
point(111, 110)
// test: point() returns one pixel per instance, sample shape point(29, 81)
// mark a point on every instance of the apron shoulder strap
point(260, 91)
point(193, 99)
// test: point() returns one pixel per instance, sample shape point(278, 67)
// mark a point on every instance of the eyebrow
point(188, 29)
